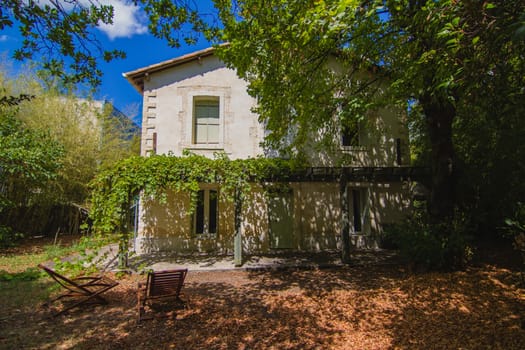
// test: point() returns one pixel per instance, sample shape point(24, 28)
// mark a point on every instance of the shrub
point(431, 247)
point(8, 237)
point(515, 227)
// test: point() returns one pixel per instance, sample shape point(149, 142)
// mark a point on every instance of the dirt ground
point(360, 307)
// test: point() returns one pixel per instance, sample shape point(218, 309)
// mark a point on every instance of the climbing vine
point(115, 189)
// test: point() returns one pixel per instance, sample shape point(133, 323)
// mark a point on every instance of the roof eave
point(137, 77)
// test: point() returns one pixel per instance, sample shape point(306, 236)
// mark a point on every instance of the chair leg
point(141, 313)
point(184, 302)
point(141, 307)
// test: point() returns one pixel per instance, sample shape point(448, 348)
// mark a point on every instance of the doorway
point(280, 217)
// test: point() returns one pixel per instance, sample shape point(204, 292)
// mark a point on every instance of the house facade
point(195, 103)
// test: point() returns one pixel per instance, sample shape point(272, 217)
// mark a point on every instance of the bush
point(515, 228)
point(431, 247)
point(8, 237)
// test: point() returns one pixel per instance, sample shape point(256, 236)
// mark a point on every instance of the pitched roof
point(136, 77)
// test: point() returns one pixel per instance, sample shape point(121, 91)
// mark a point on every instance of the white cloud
point(128, 20)
point(3, 38)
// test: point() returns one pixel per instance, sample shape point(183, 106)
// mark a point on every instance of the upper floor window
point(206, 117)
point(350, 135)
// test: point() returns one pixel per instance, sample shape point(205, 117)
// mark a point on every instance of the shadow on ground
point(372, 307)
point(282, 260)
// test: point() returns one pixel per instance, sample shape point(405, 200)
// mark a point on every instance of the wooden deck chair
point(83, 289)
point(160, 285)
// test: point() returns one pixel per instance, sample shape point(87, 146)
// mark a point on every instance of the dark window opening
point(350, 135)
point(213, 212)
point(205, 219)
point(199, 213)
point(356, 203)
point(398, 151)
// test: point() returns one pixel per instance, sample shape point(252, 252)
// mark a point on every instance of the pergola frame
point(341, 175)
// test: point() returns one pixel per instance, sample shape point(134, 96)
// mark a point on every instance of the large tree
point(439, 55)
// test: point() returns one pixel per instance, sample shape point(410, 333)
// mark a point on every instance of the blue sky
point(128, 33)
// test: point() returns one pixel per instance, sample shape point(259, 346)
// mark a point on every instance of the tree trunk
point(439, 116)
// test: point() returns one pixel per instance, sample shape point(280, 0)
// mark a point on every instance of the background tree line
point(52, 144)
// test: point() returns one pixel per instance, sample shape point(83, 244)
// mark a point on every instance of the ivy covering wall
point(115, 189)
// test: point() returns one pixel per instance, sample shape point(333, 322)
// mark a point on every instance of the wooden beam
point(369, 174)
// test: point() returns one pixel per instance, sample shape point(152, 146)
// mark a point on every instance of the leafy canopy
point(298, 61)
point(63, 36)
point(61, 33)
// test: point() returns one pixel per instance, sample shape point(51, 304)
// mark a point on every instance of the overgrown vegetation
point(29, 160)
point(51, 145)
point(151, 177)
point(426, 246)
point(115, 189)
point(515, 228)
point(78, 257)
point(23, 284)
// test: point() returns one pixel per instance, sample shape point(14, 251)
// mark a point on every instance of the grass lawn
point(359, 307)
point(21, 282)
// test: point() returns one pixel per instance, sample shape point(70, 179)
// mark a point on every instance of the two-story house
point(194, 102)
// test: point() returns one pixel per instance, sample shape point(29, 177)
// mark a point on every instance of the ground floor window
point(358, 208)
point(356, 203)
point(133, 223)
point(205, 219)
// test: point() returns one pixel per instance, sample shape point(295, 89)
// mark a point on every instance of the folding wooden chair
point(83, 289)
point(160, 285)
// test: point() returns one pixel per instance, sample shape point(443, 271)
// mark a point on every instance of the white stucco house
point(194, 102)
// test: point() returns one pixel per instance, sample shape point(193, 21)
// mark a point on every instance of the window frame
point(185, 116)
point(196, 99)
